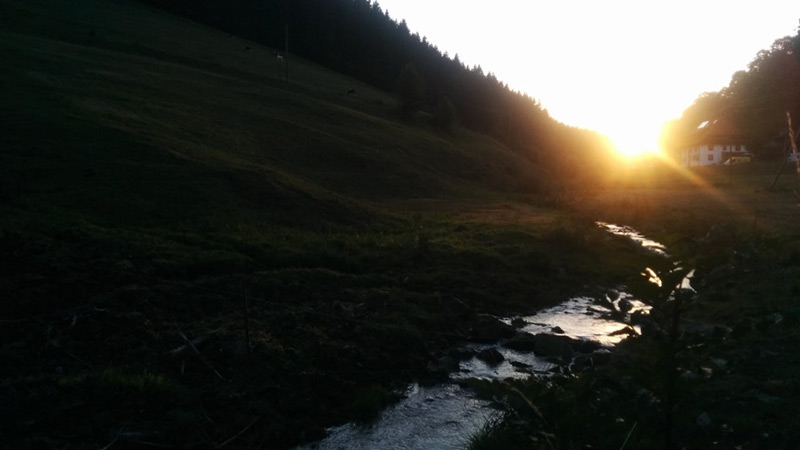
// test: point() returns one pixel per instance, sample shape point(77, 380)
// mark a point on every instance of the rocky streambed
point(571, 336)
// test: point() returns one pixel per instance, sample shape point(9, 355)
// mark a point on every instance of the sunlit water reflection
point(629, 232)
point(443, 417)
point(578, 318)
point(581, 318)
point(437, 418)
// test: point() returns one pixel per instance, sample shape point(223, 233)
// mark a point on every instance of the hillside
point(191, 245)
point(359, 38)
point(120, 82)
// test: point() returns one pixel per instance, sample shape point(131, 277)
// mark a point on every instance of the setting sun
point(632, 148)
point(621, 67)
point(635, 140)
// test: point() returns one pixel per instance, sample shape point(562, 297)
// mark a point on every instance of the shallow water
point(578, 318)
point(629, 232)
point(581, 318)
point(436, 418)
point(443, 417)
point(517, 365)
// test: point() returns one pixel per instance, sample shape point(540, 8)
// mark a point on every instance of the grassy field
point(759, 196)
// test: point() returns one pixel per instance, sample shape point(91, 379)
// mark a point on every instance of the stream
point(443, 417)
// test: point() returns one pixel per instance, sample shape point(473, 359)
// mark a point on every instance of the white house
point(715, 142)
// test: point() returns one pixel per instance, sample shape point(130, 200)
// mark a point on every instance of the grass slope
point(160, 185)
point(143, 87)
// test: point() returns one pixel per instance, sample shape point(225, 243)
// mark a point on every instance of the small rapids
point(443, 417)
point(438, 418)
point(579, 318)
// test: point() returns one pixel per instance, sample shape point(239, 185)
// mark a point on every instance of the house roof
point(717, 131)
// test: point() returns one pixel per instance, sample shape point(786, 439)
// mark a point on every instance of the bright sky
point(621, 67)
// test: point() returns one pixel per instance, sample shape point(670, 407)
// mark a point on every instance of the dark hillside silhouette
point(360, 39)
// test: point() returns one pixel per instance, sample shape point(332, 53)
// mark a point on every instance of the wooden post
point(793, 143)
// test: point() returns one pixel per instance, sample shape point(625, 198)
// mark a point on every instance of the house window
point(710, 157)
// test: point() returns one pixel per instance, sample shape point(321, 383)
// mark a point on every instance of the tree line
point(756, 101)
point(359, 39)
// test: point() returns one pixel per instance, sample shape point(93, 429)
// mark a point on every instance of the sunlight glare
point(635, 140)
point(616, 67)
